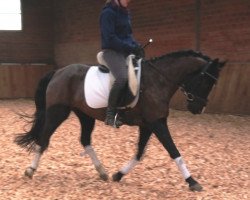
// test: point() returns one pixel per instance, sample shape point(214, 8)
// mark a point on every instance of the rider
point(117, 43)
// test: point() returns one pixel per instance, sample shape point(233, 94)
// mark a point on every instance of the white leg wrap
point(90, 151)
point(182, 167)
point(37, 157)
point(129, 166)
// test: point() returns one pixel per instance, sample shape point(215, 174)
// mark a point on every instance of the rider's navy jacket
point(116, 32)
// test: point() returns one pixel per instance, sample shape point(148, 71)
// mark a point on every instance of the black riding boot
point(111, 118)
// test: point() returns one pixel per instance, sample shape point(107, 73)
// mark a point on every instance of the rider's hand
point(139, 52)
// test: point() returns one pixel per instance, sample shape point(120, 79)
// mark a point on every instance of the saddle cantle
point(99, 81)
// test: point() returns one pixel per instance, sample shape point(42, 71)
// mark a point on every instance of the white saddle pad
point(96, 87)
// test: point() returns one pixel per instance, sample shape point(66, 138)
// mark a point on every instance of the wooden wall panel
point(17, 81)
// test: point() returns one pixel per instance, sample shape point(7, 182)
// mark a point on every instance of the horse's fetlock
point(117, 176)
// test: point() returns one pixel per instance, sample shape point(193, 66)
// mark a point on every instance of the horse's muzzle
point(196, 107)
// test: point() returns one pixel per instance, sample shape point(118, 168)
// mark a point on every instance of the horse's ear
point(222, 63)
point(219, 64)
point(216, 60)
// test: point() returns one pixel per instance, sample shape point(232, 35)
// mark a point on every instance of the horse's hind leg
point(54, 116)
point(162, 133)
point(145, 133)
point(87, 126)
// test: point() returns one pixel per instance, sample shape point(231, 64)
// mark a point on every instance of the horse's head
point(199, 84)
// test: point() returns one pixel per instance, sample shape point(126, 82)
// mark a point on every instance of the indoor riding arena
point(47, 35)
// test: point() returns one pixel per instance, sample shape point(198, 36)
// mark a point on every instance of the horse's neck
point(167, 74)
point(177, 69)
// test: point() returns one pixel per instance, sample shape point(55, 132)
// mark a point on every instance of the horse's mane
point(182, 53)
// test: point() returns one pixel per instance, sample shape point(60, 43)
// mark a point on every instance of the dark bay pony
point(61, 92)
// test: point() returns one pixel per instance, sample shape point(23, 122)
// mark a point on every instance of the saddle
point(99, 81)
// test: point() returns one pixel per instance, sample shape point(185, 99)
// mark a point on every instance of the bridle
point(192, 97)
point(183, 86)
point(204, 71)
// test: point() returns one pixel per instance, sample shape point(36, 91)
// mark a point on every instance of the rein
point(204, 72)
point(160, 73)
point(189, 95)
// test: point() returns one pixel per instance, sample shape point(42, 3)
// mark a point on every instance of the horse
point(61, 92)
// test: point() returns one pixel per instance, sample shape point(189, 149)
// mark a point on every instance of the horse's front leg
point(162, 133)
point(145, 133)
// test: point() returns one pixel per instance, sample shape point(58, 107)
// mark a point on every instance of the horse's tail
point(30, 139)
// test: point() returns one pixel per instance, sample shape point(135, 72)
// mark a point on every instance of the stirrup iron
point(114, 125)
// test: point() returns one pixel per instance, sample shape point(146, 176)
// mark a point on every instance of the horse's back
point(66, 84)
point(71, 70)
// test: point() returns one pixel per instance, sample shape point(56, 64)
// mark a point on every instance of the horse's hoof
point(117, 176)
point(196, 187)
point(29, 172)
point(104, 177)
point(102, 173)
